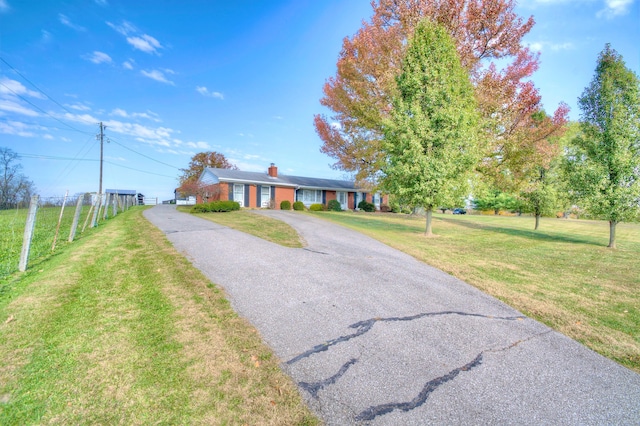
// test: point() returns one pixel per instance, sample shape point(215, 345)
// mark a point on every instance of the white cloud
point(199, 145)
point(64, 20)
point(13, 88)
point(78, 107)
point(98, 57)
point(615, 8)
point(12, 106)
point(102, 2)
point(539, 46)
point(4, 6)
point(119, 112)
point(15, 128)
point(47, 136)
point(149, 115)
point(158, 76)
point(45, 37)
point(146, 43)
point(125, 28)
point(128, 65)
point(205, 92)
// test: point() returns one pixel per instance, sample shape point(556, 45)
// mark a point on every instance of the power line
point(37, 88)
point(41, 110)
point(143, 155)
point(54, 157)
point(137, 170)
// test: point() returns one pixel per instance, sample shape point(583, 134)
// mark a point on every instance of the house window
point(238, 194)
point(310, 196)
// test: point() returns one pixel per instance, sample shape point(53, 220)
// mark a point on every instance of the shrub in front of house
point(199, 208)
point(224, 206)
point(216, 206)
point(334, 206)
point(298, 205)
point(316, 207)
point(366, 206)
point(385, 208)
point(285, 205)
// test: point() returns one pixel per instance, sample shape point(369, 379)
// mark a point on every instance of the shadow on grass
point(530, 234)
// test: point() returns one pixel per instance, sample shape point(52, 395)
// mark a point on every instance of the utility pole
point(101, 154)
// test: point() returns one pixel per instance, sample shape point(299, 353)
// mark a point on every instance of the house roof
point(239, 176)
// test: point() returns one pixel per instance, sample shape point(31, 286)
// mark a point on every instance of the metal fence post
point(55, 237)
point(76, 218)
point(94, 219)
point(28, 234)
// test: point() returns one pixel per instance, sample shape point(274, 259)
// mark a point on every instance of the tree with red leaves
point(189, 180)
point(484, 31)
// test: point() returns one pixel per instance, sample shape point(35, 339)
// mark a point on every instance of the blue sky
point(244, 78)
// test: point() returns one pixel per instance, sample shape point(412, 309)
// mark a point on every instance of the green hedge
point(216, 206)
point(285, 205)
point(298, 205)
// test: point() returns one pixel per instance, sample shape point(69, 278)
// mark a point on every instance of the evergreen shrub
point(285, 205)
point(334, 206)
point(366, 206)
point(298, 205)
point(316, 207)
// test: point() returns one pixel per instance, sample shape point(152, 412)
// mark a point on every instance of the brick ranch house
point(268, 190)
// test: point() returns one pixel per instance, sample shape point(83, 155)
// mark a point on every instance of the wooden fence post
point(28, 234)
point(76, 218)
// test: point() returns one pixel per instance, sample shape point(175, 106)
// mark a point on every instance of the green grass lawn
point(119, 328)
point(562, 274)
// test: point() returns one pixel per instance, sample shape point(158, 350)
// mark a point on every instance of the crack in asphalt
point(432, 385)
point(315, 251)
point(365, 326)
point(378, 410)
point(314, 388)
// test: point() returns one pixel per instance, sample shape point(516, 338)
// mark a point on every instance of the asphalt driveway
point(372, 336)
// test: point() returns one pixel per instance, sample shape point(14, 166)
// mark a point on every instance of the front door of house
point(265, 196)
point(342, 199)
point(238, 194)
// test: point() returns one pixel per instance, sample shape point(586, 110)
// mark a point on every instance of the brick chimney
point(273, 171)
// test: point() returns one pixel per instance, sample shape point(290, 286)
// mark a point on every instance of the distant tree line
point(15, 188)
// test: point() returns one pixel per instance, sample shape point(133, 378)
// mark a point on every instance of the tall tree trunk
point(427, 231)
point(612, 234)
point(537, 221)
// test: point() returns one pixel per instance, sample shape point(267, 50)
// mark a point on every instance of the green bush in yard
point(366, 206)
point(199, 208)
point(334, 206)
point(298, 205)
point(216, 206)
point(285, 205)
point(316, 207)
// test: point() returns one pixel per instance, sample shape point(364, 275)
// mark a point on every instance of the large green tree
point(431, 137)
point(604, 161)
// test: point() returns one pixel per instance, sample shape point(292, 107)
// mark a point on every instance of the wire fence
point(29, 234)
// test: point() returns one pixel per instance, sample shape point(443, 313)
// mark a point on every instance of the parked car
point(459, 211)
